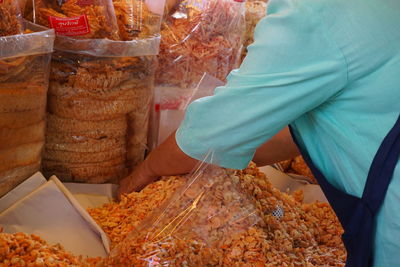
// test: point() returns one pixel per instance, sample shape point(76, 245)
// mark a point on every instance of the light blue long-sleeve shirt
point(331, 69)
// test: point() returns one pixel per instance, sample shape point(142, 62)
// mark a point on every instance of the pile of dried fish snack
point(95, 18)
point(98, 115)
point(200, 38)
point(304, 234)
point(20, 249)
point(10, 18)
point(255, 11)
point(135, 20)
point(298, 166)
point(23, 93)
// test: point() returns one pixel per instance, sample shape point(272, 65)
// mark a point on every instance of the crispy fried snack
point(99, 14)
point(198, 40)
point(20, 249)
point(10, 18)
point(135, 20)
point(305, 235)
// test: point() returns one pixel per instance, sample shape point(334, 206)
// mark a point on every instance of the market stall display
point(101, 90)
point(290, 233)
point(24, 67)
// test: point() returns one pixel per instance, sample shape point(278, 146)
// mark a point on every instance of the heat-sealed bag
point(24, 72)
point(100, 97)
point(10, 18)
point(200, 37)
point(78, 18)
point(190, 228)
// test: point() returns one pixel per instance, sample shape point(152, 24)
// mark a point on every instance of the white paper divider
point(52, 213)
point(86, 216)
point(285, 183)
point(23, 189)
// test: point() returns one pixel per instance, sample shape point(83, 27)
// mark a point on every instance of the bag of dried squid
point(78, 18)
point(99, 104)
point(197, 226)
point(200, 36)
point(138, 19)
point(10, 18)
point(24, 71)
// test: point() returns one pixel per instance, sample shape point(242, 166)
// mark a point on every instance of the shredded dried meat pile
point(198, 39)
point(10, 18)
point(305, 234)
point(30, 250)
point(299, 167)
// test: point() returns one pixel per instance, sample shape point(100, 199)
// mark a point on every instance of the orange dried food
point(306, 235)
point(135, 20)
point(10, 18)
point(199, 38)
point(86, 19)
point(20, 249)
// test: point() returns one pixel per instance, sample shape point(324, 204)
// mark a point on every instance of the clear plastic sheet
point(172, 104)
point(100, 96)
point(78, 18)
point(198, 37)
point(10, 18)
point(24, 71)
point(204, 213)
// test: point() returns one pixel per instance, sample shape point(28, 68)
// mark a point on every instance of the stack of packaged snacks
point(101, 87)
point(24, 71)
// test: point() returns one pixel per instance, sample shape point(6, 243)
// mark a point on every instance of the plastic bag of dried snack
point(200, 216)
point(24, 71)
point(200, 36)
point(10, 18)
point(138, 18)
point(99, 104)
point(78, 18)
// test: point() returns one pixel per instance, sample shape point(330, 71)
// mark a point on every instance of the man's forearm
point(168, 159)
point(278, 148)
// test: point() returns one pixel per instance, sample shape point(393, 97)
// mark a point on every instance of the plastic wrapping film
point(204, 213)
point(173, 102)
point(24, 72)
point(100, 96)
point(10, 18)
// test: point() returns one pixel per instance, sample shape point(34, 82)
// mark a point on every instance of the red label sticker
point(70, 26)
point(83, 3)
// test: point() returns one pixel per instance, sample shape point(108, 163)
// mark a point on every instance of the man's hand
point(165, 160)
point(136, 181)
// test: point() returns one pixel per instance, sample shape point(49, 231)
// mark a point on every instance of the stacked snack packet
point(101, 86)
point(24, 65)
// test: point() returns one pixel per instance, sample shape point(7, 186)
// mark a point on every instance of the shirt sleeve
point(292, 68)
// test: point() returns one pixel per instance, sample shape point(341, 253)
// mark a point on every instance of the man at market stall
point(331, 70)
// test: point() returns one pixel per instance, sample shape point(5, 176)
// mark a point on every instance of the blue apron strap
point(382, 169)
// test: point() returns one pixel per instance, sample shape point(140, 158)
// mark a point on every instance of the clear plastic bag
point(199, 218)
point(172, 103)
point(78, 18)
point(24, 71)
point(10, 18)
point(200, 37)
point(100, 98)
point(138, 18)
